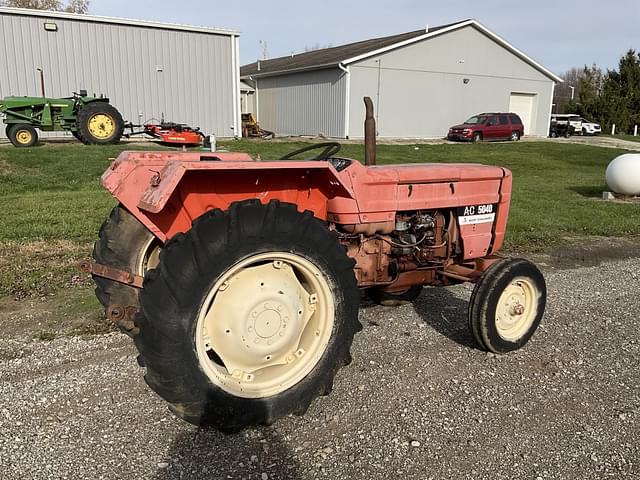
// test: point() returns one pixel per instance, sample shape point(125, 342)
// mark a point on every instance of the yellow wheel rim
point(517, 309)
point(265, 325)
point(24, 137)
point(102, 126)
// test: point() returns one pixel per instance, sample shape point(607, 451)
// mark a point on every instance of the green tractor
point(92, 120)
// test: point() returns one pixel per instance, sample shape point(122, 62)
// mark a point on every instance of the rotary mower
point(169, 133)
point(240, 280)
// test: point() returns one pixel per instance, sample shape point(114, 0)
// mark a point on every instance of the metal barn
point(421, 83)
point(147, 69)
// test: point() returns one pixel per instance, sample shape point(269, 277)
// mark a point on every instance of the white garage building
point(421, 83)
point(148, 69)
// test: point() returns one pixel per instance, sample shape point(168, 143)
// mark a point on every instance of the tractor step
point(111, 273)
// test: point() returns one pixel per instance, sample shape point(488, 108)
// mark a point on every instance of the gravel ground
point(419, 401)
point(594, 141)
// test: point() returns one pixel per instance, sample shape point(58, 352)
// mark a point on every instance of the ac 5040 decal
point(475, 214)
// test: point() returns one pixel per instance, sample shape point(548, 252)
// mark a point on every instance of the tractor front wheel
point(22, 135)
point(507, 305)
point(126, 244)
point(248, 317)
point(99, 123)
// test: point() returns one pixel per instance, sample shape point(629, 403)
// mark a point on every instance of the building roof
point(46, 14)
point(345, 54)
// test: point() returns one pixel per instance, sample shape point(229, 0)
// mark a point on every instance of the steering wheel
point(329, 150)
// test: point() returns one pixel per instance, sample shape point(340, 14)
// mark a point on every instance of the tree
point(618, 100)
point(77, 6)
point(607, 98)
point(566, 93)
point(72, 6)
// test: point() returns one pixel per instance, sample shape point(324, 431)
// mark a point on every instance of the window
point(475, 120)
point(492, 120)
point(515, 118)
point(504, 120)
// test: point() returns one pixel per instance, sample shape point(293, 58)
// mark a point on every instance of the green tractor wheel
point(22, 135)
point(99, 123)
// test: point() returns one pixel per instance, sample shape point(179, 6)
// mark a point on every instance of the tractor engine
point(405, 251)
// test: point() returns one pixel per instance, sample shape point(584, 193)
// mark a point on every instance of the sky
point(560, 35)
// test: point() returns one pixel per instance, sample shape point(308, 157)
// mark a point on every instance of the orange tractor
point(240, 280)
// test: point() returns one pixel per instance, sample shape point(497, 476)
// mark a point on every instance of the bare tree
point(72, 6)
point(77, 6)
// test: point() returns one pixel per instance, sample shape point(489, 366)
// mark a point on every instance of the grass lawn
point(52, 193)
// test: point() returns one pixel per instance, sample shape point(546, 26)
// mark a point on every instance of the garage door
point(522, 104)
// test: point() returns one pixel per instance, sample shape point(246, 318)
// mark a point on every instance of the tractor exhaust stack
point(369, 133)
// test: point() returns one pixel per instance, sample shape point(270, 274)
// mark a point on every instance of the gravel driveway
point(419, 401)
point(595, 141)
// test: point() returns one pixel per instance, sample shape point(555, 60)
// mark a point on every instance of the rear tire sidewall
point(167, 342)
point(484, 301)
point(515, 136)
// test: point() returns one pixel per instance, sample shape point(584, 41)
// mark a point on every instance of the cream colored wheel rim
point(517, 309)
point(150, 257)
point(265, 324)
point(101, 126)
point(24, 137)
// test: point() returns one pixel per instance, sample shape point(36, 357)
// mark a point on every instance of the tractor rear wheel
point(22, 135)
point(394, 299)
point(507, 305)
point(99, 123)
point(248, 317)
point(126, 244)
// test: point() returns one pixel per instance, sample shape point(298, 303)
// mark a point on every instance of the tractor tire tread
point(120, 239)
point(82, 121)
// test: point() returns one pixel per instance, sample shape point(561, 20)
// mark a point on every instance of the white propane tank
point(623, 174)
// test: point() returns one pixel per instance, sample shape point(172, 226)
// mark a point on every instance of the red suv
point(488, 126)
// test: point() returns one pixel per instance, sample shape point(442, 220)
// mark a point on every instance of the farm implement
point(169, 133)
point(240, 280)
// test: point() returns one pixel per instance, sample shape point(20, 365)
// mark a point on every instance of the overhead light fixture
point(465, 80)
point(51, 27)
